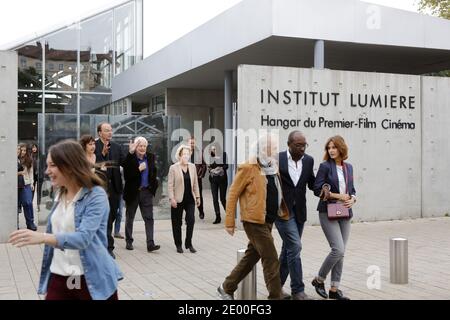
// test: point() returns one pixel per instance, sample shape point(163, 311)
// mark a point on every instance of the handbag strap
point(344, 168)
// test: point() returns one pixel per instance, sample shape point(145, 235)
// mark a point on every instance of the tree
point(440, 8)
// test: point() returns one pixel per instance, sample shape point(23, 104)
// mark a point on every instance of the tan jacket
point(250, 188)
point(176, 182)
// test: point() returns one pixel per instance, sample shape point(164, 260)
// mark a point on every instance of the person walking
point(109, 152)
point(140, 187)
point(297, 173)
point(200, 165)
point(184, 195)
point(334, 182)
point(258, 188)
point(76, 264)
point(26, 193)
point(218, 179)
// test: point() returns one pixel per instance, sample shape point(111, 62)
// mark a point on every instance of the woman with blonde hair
point(80, 268)
point(184, 195)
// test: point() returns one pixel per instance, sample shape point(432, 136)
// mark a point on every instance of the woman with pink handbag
point(334, 186)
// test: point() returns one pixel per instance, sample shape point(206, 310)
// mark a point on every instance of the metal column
point(247, 287)
point(319, 54)
point(398, 260)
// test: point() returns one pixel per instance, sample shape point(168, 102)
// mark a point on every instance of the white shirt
point(68, 262)
point(295, 168)
point(341, 178)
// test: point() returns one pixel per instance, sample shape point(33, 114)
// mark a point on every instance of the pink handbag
point(336, 210)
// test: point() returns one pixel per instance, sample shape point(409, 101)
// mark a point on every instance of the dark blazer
point(117, 157)
point(328, 174)
point(295, 195)
point(132, 176)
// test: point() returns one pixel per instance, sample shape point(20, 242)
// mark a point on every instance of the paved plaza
point(168, 275)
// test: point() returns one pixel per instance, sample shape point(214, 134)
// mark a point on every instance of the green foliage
point(440, 8)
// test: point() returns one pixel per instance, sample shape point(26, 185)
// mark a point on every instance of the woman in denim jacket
point(76, 264)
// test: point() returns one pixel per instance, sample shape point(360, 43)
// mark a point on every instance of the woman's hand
point(197, 202)
point(173, 203)
point(344, 197)
point(21, 238)
point(349, 203)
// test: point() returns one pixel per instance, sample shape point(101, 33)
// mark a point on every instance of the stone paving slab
point(165, 274)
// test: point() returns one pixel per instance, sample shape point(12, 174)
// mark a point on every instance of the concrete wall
point(196, 105)
point(8, 143)
point(387, 162)
point(436, 146)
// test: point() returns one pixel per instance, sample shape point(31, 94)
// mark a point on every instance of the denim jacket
point(100, 270)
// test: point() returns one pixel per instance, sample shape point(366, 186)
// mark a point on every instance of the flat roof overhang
point(283, 33)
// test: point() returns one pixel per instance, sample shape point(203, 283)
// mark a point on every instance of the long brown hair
point(340, 144)
point(70, 158)
point(26, 159)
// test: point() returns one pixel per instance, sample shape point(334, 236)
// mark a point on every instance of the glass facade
point(68, 73)
point(65, 80)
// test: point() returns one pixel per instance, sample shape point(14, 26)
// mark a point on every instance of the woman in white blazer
point(183, 195)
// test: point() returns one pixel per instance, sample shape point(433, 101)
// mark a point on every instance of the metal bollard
point(247, 287)
point(399, 260)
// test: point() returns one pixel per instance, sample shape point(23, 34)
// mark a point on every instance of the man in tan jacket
point(257, 186)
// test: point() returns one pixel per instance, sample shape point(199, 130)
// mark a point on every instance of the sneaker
point(223, 295)
point(129, 246)
point(179, 249)
point(118, 236)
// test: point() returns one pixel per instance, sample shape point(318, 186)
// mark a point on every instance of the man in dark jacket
point(296, 171)
point(110, 153)
point(139, 171)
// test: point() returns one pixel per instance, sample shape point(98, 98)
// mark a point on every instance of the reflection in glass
point(60, 103)
point(29, 106)
point(59, 127)
point(95, 103)
point(124, 33)
point(61, 59)
point(30, 66)
point(96, 53)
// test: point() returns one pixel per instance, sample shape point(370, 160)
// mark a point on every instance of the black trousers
point(219, 186)
point(144, 200)
point(200, 189)
point(177, 219)
point(114, 203)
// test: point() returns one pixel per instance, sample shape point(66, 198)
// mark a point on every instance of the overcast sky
point(170, 19)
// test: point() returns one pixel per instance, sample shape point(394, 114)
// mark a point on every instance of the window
point(61, 67)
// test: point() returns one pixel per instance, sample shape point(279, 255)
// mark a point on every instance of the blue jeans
point(290, 262)
point(26, 200)
point(118, 217)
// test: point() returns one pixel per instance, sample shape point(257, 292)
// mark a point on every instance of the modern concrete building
point(350, 48)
